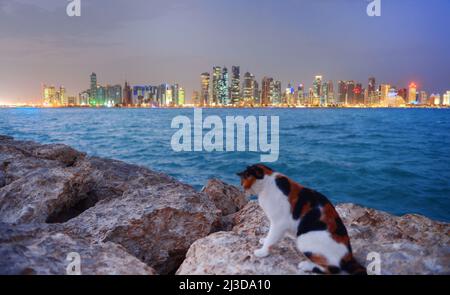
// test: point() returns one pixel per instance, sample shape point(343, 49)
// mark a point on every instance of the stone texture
point(99, 201)
point(410, 244)
point(227, 198)
point(38, 250)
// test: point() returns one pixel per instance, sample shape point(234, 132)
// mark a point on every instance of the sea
point(395, 160)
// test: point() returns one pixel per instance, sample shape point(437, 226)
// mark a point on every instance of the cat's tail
point(353, 267)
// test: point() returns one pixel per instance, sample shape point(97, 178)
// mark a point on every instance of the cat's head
point(252, 177)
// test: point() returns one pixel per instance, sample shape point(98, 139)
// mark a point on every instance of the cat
point(307, 215)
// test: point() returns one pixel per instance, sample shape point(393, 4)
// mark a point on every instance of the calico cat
point(308, 215)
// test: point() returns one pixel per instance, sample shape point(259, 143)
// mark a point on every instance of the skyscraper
point(350, 96)
point(62, 96)
point(412, 93)
point(359, 94)
point(204, 95)
point(93, 90)
point(127, 95)
point(276, 93)
point(181, 97)
point(330, 93)
point(217, 75)
point(248, 88)
point(324, 94)
point(317, 86)
point(342, 92)
point(48, 95)
point(371, 91)
point(266, 91)
point(235, 85)
point(384, 93)
point(224, 88)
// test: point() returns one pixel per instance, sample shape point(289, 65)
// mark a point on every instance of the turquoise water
point(397, 160)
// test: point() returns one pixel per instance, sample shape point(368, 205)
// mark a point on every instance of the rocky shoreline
point(126, 219)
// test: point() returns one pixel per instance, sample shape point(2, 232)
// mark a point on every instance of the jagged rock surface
point(100, 201)
point(410, 244)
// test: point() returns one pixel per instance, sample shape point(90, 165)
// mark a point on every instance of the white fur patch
point(321, 243)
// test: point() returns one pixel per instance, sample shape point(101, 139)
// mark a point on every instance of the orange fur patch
point(329, 216)
point(247, 183)
point(319, 260)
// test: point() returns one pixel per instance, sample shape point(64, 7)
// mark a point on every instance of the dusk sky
point(156, 41)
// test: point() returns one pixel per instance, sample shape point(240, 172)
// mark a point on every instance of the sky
point(174, 41)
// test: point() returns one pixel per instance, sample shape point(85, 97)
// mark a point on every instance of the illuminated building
point(358, 94)
point(127, 95)
point(83, 98)
point(217, 75)
point(301, 95)
point(289, 95)
point(350, 96)
point(175, 92)
point(412, 93)
point(204, 94)
point(342, 92)
point(248, 87)
point(317, 86)
point(169, 96)
point(93, 90)
point(49, 95)
point(181, 96)
point(276, 93)
point(113, 94)
point(224, 88)
point(101, 96)
point(266, 91)
point(235, 91)
point(384, 92)
point(62, 96)
point(423, 97)
point(324, 94)
point(330, 93)
point(446, 98)
point(371, 95)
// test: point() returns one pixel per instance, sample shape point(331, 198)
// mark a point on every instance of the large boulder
point(410, 244)
point(39, 250)
point(156, 224)
point(100, 201)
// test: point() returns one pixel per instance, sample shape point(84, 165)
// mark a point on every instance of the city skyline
point(142, 43)
point(218, 89)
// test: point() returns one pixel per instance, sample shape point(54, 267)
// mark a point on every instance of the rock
point(410, 244)
point(41, 194)
point(227, 198)
point(156, 224)
point(32, 249)
point(58, 152)
point(99, 201)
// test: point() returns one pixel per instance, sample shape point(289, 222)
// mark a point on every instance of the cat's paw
point(261, 253)
point(306, 266)
point(262, 241)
